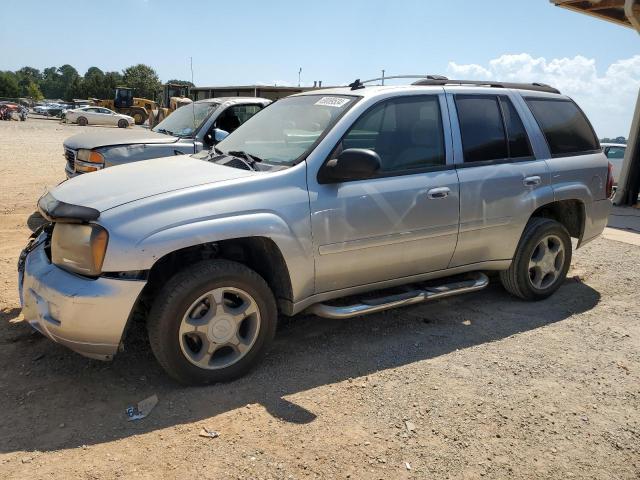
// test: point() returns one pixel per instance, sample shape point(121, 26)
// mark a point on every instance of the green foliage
point(143, 80)
point(66, 83)
point(9, 86)
point(181, 82)
point(33, 91)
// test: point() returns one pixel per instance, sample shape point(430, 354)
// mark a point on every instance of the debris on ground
point(208, 433)
point(144, 407)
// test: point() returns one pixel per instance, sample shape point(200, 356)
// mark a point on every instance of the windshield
point(287, 129)
point(186, 120)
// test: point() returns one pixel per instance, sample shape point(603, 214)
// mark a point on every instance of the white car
point(98, 116)
point(615, 154)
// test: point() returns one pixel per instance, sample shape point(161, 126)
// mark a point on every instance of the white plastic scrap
point(205, 432)
point(144, 407)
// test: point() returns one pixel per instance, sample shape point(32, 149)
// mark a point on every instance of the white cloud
point(608, 98)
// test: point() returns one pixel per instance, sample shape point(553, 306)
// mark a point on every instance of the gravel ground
point(477, 386)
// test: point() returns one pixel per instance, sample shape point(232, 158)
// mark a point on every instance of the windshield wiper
point(165, 131)
point(213, 152)
point(247, 156)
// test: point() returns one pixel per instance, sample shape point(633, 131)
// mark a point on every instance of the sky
point(247, 42)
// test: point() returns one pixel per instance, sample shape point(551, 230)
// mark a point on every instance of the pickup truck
point(339, 203)
point(187, 130)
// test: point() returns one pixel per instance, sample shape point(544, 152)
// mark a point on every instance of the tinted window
point(481, 127)
point(516, 134)
point(406, 133)
point(566, 128)
point(615, 152)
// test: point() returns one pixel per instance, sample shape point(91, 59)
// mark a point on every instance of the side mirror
point(351, 164)
point(219, 135)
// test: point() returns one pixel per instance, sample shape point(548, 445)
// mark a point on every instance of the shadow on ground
point(54, 399)
point(625, 218)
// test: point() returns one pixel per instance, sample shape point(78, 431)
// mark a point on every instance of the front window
point(288, 128)
point(186, 120)
point(405, 132)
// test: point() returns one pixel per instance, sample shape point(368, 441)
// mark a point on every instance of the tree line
point(66, 83)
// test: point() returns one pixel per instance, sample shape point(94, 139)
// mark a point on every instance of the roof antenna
point(356, 85)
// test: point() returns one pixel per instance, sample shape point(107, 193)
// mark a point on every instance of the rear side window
point(516, 134)
point(481, 127)
point(491, 129)
point(567, 130)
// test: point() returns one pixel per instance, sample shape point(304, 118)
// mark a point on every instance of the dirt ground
point(477, 386)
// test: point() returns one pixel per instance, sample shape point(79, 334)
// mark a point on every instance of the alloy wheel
point(219, 328)
point(547, 262)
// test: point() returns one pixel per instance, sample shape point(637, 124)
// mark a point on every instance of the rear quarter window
point(566, 128)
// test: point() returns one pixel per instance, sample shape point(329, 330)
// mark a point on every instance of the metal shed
point(625, 13)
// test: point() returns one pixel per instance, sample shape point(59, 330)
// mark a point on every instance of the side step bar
point(477, 281)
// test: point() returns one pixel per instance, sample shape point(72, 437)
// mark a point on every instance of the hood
point(105, 138)
point(115, 186)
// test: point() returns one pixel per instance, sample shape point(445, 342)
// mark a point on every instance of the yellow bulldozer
point(141, 109)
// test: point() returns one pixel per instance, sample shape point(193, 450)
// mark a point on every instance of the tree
point(9, 86)
point(143, 80)
point(50, 85)
point(31, 73)
point(33, 91)
point(26, 77)
point(69, 82)
point(181, 82)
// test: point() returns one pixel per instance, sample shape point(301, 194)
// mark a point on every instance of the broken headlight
point(79, 248)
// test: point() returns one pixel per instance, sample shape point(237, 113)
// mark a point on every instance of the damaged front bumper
point(86, 315)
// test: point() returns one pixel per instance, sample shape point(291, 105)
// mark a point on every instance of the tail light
point(610, 181)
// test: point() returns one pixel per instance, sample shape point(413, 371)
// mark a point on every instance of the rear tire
point(541, 261)
point(214, 306)
point(122, 123)
point(82, 121)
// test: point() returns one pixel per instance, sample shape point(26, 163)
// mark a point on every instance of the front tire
point(541, 262)
point(122, 123)
point(212, 322)
point(139, 117)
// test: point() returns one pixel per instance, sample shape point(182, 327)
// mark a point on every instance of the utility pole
point(299, 73)
point(383, 76)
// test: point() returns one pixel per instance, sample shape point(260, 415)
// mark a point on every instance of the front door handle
point(532, 181)
point(440, 192)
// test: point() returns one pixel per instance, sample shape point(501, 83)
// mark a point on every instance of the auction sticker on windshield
point(332, 102)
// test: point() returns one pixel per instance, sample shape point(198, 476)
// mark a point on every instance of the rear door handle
point(532, 181)
point(440, 192)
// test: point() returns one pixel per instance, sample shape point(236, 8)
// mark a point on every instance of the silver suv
point(187, 130)
point(380, 197)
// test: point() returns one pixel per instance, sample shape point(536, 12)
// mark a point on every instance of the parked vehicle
point(50, 109)
point(98, 116)
point(12, 111)
point(615, 154)
point(187, 130)
point(322, 196)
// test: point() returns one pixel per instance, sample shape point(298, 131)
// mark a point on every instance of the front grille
point(70, 155)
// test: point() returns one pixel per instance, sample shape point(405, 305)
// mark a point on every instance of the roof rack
point(383, 79)
point(536, 87)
